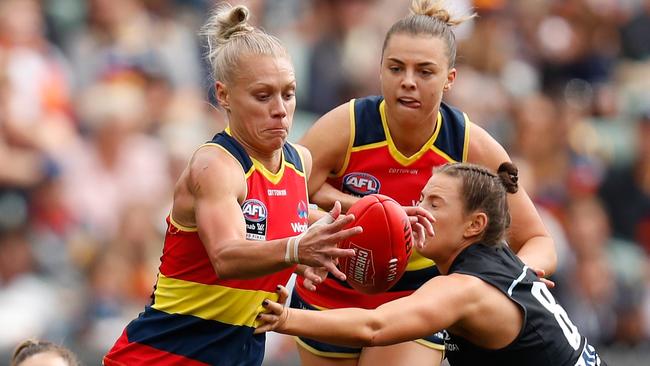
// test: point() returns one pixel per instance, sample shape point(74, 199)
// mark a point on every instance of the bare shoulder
point(455, 283)
point(306, 158)
point(484, 149)
point(338, 117)
point(329, 137)
point(212, 168)
point(304, 152)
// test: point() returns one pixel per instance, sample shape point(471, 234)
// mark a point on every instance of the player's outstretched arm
point(437, 305)
point(527, 234)
point(217, 184)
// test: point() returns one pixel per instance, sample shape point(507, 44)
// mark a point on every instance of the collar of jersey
point(396, 154)
point(270, 176)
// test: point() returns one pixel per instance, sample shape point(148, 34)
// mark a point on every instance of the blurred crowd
point(103, 101)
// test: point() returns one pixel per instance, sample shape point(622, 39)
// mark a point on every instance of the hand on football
point(421, 224)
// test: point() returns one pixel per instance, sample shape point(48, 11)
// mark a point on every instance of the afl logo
point(361, 184)
point(254, 210)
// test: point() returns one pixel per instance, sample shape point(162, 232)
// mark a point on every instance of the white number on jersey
point(544, 296)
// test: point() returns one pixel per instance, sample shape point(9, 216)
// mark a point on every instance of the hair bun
point(233, 22)
point(225, 22)
point(508, 173)
point(436, 10)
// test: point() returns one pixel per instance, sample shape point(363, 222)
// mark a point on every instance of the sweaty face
point(442, 198)
point(414, 71)
point(260, 100)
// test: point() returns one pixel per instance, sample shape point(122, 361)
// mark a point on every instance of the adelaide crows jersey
point(547, 338)
point(195, 317)
point(374, 165)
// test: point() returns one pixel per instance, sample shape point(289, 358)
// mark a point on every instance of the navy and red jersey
point(374, 165)
point(196, 318)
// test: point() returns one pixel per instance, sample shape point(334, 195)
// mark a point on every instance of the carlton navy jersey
point(373, 164)
point(548, 337)
point(197, 318)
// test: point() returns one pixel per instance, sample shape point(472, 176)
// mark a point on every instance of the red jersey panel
point(374, 165)
point(197, 318)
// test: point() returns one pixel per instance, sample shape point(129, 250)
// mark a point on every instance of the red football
point(384, 247)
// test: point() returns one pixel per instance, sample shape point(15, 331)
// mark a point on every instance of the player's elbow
point(221, 265)
point(552, 265)
point(372, 333)
point(551, 256)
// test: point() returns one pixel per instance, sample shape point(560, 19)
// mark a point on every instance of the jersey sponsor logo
point(361, 266)
point(303, 213)
point(255, 214)
point(277, 192)
point(403, 171)
point(298, 227)
point(360, 184)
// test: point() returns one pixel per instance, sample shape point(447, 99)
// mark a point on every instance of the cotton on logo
point(254, 210)
point(361, 184)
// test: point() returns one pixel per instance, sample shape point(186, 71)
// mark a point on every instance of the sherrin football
point(384, 247)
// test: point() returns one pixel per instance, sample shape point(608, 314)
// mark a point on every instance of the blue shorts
point(435, 341)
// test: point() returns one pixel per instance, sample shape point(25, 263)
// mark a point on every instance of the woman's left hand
point(277, 312)
point(541, 273)
point(421, 224)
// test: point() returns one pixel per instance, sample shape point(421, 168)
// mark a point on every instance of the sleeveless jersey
point(196, 318)
point(547, 338)
point(374, 165)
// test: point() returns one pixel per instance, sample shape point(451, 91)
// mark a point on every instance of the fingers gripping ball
point(384, 247)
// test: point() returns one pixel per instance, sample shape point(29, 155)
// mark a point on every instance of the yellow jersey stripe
point(272, 177)
point(466, 142)
point(439, 347)
point(418, 262)
point(443, 154)
point(182, 227)
point(210, 302)
point(397, 155)
point(351, 142)
point(370, 146)
point(246, 174)
point(304, 168)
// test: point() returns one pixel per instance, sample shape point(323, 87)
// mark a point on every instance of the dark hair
point(429, 18)
point(485, 191)
point(32, 347)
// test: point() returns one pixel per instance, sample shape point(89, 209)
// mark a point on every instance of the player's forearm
point(346, 327)
point(539, 253)
point(248, 259)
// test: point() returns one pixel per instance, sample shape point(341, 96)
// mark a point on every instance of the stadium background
point(103, 101)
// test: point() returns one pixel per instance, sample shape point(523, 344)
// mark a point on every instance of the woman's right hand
point(318, 246)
